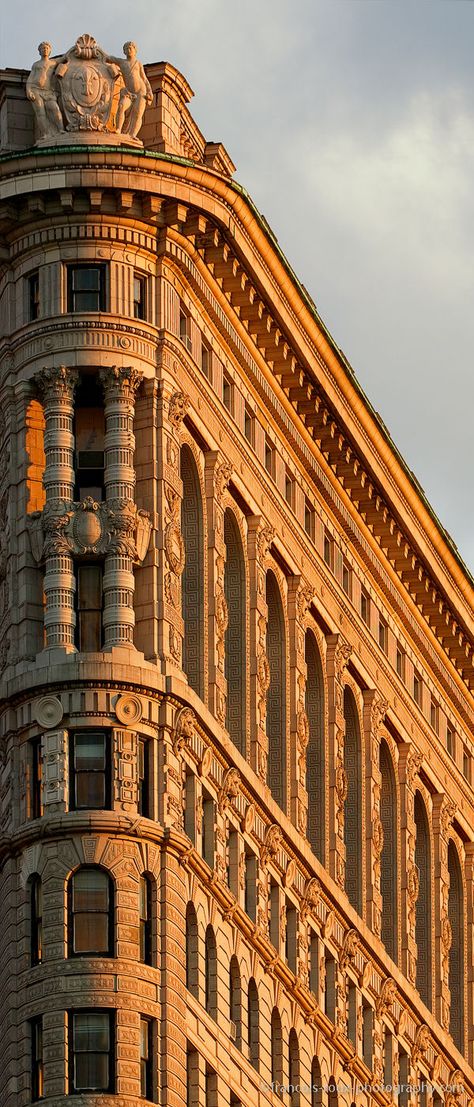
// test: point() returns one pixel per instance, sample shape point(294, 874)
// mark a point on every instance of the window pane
point(91, 1031)
point(90, 890)
point(86, 279)
point(90, 622)
point(91, 933)
point(90, 789)
point(91, 1072)
point(89, 751)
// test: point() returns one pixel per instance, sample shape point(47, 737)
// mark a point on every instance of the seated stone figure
point(40, 89)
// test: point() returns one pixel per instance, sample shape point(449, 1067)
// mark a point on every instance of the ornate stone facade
point(236, 809)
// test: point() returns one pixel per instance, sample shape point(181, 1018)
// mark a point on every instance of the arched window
point(146, 919)
point(276, 696)
point(91, 913)
point(316, 1084)
point(235, 1002)
point(332, 1092)
point(456, 952)
point(192, 962)
point(423, 904)
point(277, 1053)
point(192, 580)
point(210, 966)
point(36, 919)
point(388, 860)
point(253, 1025)
point(235, 651)
point(294, 1069)
point(315, 759)
point(353, 806)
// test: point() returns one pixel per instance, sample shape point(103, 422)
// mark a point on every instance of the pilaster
point(443, 813)
point(299, 598)
point(375, 708)
point(409, 765)
point(338, 654)
point(170, 412)
point(217, 476)
point(260, 537)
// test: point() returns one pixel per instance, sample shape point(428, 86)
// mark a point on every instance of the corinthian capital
point(57, 382)
point(120, 383)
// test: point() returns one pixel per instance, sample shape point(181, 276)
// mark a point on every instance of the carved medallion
point(129, 709)
point(49, 711)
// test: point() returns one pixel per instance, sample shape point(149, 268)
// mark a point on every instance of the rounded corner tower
point(236, 812)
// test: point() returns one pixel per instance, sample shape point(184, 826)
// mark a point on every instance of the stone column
point(375, 708)
point(218, 473)
point(120, 386)
point(408, 767)
point(339, 652)
point(299, 598)
point(57, 386)
point(443, 814)
point(260, 538)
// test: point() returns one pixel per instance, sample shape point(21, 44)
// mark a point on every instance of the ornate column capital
point(120, 382)
point(57, 382)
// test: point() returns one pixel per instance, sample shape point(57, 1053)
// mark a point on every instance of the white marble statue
point(41, 89)
point(136, 93)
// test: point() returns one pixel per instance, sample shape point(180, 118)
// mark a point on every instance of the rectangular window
point(228, 393)
point(434, 715)
point(185, 328)
point(206, 360)
point(249, 425)
point(309, 519)
point(208, 829)
point(466, 764)
point(328, 549)
point(146, 921)
point(144, 777)
point(401, 663)
point(291, 934)
point(91, 1051)
point(36, 891)
point(233, 862)
point(269, 456)
point(146, 1057)
point(450, 746)
point(251, 878)
point(33, 297)
point(139, 296)
point(86, 287)
point(89, 599)
point(89, 441)
point(346, 578)
point(289, 489)
point(417, 688)
point(365, 606)
point(90, 770)
point(383, 635)
point(35, 769)
point(37, 1073)
point(190, 806)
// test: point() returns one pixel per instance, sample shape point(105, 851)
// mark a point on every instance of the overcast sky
point(351, 123)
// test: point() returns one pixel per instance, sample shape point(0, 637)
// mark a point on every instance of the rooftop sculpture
point(87, 96)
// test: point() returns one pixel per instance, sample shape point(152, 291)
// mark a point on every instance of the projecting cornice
point(243, 258)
